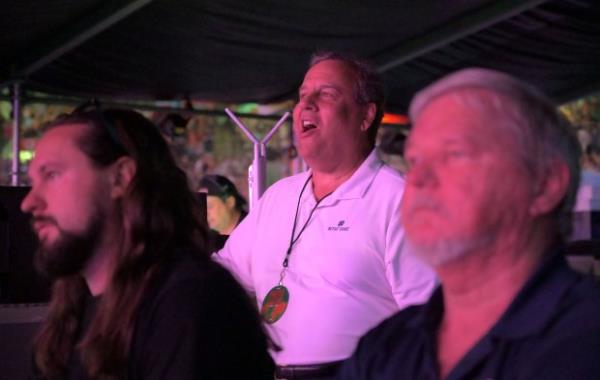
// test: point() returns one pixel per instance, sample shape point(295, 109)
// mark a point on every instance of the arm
point(411, 280)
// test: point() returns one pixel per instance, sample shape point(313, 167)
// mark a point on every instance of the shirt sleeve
point(411, 280)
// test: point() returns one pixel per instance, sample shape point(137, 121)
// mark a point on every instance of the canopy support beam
point(456, 29)
point(81, 31)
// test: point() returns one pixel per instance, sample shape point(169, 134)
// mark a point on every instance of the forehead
point(214, 199)
point(59, 144)
point(331, 71)
point(450, 117)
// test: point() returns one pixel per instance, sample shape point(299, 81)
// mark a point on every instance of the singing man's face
point(328, 122)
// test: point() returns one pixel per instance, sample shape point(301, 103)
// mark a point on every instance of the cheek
point(296, 122)
point(74, 217)
point(222, 212)
point(427, 211)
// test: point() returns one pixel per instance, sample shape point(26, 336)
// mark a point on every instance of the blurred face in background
point(222, 214)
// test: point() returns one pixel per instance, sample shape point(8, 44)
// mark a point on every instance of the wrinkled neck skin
point(326, 178)
point(494, 274)
point(479, 287)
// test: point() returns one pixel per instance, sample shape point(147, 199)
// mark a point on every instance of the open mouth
point(307, 125)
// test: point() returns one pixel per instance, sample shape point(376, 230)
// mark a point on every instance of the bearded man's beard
point(70, 252)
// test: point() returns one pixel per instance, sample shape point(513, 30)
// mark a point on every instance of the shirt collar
point(358, 184)
point(539, 299)
point(529, 313)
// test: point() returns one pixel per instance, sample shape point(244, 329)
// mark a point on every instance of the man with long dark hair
point(135, 295)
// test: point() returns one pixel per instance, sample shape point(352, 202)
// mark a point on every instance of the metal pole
point(16, 136)
point(148, 106)
point(257, 172)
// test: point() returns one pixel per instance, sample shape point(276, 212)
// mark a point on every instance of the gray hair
point(368, 87)
point(543, 134)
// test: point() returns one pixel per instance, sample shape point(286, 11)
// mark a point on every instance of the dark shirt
point(550, 331)
point(195, 322)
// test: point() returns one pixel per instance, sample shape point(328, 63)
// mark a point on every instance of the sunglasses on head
point(93, 105)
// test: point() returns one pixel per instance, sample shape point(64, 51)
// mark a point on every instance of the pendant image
point(275, 304)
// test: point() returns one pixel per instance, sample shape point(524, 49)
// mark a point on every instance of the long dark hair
point(158, 213)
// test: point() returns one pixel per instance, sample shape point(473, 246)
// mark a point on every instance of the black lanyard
point(292, 239)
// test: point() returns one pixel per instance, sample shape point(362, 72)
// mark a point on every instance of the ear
point(370, 111)
point(230, 202)
point(551, 189)
point(122, 173)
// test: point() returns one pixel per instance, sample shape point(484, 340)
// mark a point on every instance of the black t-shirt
point(195, 322)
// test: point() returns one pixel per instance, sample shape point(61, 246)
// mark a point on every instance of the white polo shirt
point(347, 272)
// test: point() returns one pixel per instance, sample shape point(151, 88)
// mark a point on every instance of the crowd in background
point(205, 144)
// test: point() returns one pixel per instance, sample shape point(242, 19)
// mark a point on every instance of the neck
point(99, 269)
point(234, 222)
point(479, 287)
point(326, 181)
point(494, 272)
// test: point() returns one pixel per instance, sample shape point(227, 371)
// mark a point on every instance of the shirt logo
point(339, 227)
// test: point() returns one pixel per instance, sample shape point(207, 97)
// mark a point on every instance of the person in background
point(225, 206)
point(323, 251)
point(135, 294)
point(493, 174)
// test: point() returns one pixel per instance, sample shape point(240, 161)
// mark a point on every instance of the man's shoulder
point(391, 173)
point(191, 278)
point(285, 184)
point(568, 347)
point(291, 181)
point(581, 305)
point(386, 184)
point(388, 178)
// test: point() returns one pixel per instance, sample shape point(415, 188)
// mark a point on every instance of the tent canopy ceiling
point(238, 50)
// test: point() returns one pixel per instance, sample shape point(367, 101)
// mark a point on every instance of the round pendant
point(274, 304)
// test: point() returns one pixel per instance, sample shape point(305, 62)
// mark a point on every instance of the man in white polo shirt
point(323, 251)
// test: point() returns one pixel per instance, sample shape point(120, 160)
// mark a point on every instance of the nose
point(31, 202)
point(307, 102)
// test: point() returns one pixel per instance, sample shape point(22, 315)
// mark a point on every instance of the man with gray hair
point(493, 173)
point(323, 250)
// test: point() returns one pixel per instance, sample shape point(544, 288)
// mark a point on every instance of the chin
point(437, 252)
